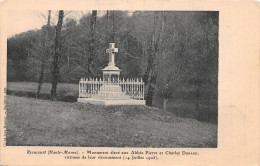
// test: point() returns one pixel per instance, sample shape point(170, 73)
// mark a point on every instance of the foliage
point(177, 50)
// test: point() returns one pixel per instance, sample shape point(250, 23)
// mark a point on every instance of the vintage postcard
point(130, 82)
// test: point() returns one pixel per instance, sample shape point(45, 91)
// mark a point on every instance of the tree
point(189, 59)
point(46, 54)
point(91, 43)
point(176, 53)
point(113, 36)
point(169, 66)
point(154, 49)
point(205, 66)
point(18, 53)
point(57, 56)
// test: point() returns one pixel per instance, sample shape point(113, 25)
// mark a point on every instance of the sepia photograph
point(112, 78)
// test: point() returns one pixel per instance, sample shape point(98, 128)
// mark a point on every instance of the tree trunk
point(149, 76)
point(46, 54)
point(49, 18)
point(91, 44)
point(56, 58)
point(150, 93)
point(197, 106)
point(165, 104)
point(40, 78)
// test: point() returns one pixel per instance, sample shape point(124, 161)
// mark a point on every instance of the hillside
point(34, 122)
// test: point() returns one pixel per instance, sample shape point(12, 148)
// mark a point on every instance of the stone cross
point(111, 50)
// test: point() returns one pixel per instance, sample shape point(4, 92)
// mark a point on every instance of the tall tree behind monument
point(46, 54)
point(57, 56)
point(110, 16)
point(91, 43)
point(113, 27)
point(153, 51)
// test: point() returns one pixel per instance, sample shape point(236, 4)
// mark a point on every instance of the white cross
point(111, 50)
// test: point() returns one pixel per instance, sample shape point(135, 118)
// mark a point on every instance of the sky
point(22, 21)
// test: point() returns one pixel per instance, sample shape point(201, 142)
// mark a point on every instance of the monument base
point(111, 102)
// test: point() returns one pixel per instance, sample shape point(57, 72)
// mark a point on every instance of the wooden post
point(143, 90)
point(105, 89)
point(124, 85)
point(127, 85)
point(132, 84)
point(79, 88)
point(83, 86)
point(142, 85)
point(138, 89)
point(86, 86)
point(96, 85)
point(134, 88)
point(92, 86)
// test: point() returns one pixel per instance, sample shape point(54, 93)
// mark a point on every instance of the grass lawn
point(46, 87)
point(65, 92)
point(69, 93)
point(35, 122)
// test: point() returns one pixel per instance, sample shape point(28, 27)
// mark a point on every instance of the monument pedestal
point(111, 94)
point(111, 102)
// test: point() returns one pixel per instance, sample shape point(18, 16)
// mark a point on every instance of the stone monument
point(111, 90)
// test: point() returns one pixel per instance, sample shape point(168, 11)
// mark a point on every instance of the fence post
point(132, 86)
point(79, 88)
point(138, 89)
point(106, 89)
point(143, 90)
point(83, 87)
